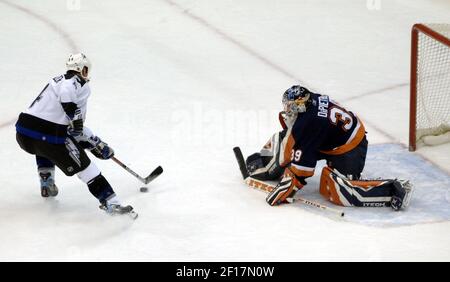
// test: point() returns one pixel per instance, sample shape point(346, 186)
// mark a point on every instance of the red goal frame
point(416, 29)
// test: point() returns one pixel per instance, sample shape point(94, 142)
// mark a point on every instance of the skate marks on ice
point(430, 201)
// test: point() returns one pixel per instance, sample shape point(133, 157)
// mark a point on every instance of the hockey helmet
point(295, 100)
point(77, 62)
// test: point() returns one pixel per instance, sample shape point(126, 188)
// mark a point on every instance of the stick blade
point(155, 173)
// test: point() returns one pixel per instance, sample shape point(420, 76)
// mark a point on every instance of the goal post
point(430, 85)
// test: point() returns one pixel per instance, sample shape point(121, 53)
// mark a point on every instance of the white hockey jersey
point(61, 89)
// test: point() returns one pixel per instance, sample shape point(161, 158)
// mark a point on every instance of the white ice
point(178, 84)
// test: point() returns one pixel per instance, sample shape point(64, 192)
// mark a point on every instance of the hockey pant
point(351, 163)
point(71, 159)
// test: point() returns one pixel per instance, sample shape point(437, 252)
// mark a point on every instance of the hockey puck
point(143, 189)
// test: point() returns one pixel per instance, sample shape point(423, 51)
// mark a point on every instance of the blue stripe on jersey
point(40, 136)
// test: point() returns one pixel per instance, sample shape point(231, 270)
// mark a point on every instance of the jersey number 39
point(296, 154)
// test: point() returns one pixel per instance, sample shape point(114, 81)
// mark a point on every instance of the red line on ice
point(266, 61)
point(64, 35)
point(230, 39)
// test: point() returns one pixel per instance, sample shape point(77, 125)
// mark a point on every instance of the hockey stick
point(262, 186)
point(155, 173)
point(266, 187)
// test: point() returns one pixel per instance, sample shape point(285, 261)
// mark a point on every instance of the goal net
point(430, 85)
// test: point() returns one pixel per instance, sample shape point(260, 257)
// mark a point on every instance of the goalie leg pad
point(361, 193)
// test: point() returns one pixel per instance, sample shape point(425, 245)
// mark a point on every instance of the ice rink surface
point(178, 84)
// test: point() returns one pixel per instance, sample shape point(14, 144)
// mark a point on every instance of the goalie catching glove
point(285, 190)
point(89, 141)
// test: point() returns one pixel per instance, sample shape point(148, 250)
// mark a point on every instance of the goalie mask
point(295, 100)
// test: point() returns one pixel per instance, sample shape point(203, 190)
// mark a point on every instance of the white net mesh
point(433, 84)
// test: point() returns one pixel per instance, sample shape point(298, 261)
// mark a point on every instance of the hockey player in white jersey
point(53, 130)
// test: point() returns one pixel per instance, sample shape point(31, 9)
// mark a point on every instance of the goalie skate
point(402, 194)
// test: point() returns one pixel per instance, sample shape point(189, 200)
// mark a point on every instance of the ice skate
point(113, 207)
point(48, 187)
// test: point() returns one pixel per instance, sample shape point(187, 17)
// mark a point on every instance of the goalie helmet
point(295, 100)
point(78, 62)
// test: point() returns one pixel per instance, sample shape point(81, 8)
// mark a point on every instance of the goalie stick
point(155, 173)
point(266, 187)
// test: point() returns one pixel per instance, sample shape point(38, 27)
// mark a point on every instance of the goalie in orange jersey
point(316, 128)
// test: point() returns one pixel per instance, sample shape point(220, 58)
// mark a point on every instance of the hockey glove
point(254, 162)
point(89, 141)
point(285, 189)
point(100, 149)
